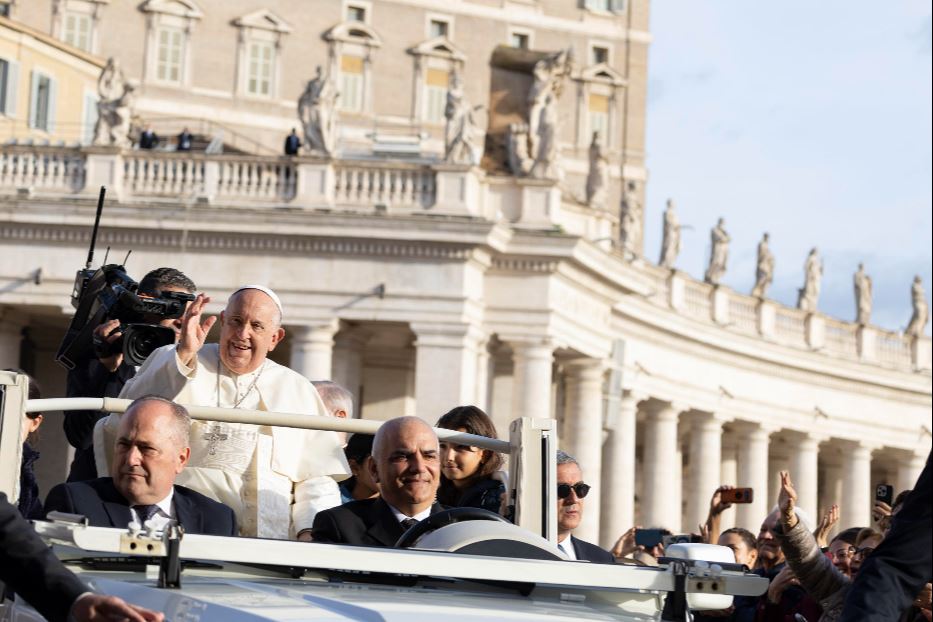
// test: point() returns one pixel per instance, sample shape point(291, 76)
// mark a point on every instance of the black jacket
point(892, 576)
point(29, 504)
point(89, 379)
point(104, 506)
point(28, 566)
point(591, 552)
point(367, 522)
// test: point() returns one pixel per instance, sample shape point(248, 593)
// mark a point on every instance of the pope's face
point(249, 330)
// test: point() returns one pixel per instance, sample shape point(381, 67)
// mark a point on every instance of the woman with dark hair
point(466, 471)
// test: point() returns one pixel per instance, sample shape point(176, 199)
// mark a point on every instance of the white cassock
point(265, 474)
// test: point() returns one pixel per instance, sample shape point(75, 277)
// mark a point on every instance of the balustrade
point(41, 167)
point(368, 184)
point(743, 313)
point(841, 338)
point(162, 174)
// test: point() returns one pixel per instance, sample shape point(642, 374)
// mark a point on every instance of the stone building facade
point(421, 284)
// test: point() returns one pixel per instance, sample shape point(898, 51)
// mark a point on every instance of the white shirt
point(420, 516)
point(567, 547)
point(165, 512)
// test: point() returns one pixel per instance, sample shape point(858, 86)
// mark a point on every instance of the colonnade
point(685, 453)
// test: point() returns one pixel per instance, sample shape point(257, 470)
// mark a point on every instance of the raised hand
point(787, 499)
point(193, 331)
point(625, 545)
point(830, 518)
point(716, 505)
point(783, 580)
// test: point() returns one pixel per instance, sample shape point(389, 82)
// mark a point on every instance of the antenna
point(127, 258)
point(100, 209)
point(106, 255)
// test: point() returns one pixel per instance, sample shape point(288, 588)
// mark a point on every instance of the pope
point(275, 479)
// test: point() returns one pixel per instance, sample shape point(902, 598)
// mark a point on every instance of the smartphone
point(648, 538)
point(885, 492)
point(737, 495)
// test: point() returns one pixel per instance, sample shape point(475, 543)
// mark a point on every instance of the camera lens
point(140, 340)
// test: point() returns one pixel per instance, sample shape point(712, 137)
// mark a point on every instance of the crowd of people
point(153, 464)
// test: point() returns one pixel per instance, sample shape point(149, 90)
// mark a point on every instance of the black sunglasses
point(563, 490)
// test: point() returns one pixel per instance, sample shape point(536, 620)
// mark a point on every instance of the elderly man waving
point(268, 475)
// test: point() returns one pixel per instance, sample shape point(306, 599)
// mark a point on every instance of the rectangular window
point(76, 30)
point(439, 28)
point(599, 116)
point(261, 64)
point(9, 86)
point(169, 55)
point(42, 104)
point(435, 95)
point(600, 55)
point(519, 40)
point(604, 5)
point(351, 84)
point(356, 14)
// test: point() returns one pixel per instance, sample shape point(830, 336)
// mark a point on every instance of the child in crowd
point(467, 472)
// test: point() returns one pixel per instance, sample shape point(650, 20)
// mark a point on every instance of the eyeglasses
point(563, 490)
point(844, 554)
point(863, 552)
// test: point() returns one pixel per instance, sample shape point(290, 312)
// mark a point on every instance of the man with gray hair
point(275, 478)
point(151, 450)
point(571, 492)
point(337, 399)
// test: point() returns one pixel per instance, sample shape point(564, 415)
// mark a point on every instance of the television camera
point(108, 293)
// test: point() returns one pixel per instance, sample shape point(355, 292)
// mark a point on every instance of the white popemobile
point(463, 564)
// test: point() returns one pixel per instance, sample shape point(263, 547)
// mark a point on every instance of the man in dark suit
point(406, 465)
point(31, 570)
point(292, 143)
point(892, 576)
point(570, 494)
point(150, 451)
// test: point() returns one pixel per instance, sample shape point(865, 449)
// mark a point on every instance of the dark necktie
point(145, 512)
point(408, 523)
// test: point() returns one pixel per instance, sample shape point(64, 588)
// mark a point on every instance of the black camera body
point(109, 293)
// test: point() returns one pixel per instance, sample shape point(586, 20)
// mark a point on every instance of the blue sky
point(809, 120)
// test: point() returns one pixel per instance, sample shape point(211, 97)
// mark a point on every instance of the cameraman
point(105, 375)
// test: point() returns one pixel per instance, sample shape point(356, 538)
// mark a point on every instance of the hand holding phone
point(885, 493)
point(648, 538)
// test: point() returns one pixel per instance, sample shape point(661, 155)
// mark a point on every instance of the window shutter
point(53, 100)
point(616, 5)
point(33, 98)
point(90, 118)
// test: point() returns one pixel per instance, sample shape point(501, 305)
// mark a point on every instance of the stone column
point(583, 433)
point(445, 367)
point(312, 349)
point(617, 497)
point(908, 471)
point(348, 364)
point(753, 444)
point(831, 492)
point(531, 384)
point(728, 474)
point(662, 472)
point(856, 486)
point(11, 336)
point(483, 373)
point(705, 464)
point(804, 467)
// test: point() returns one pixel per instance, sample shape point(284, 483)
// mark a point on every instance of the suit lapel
point(577, 549)
point(385, 529)
point(185, 513)
point(116, 507)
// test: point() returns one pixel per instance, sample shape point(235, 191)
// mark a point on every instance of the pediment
point(179, 8)
point(602, 72)
point(354, 32)
point(263, 19)
point(438, 46)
